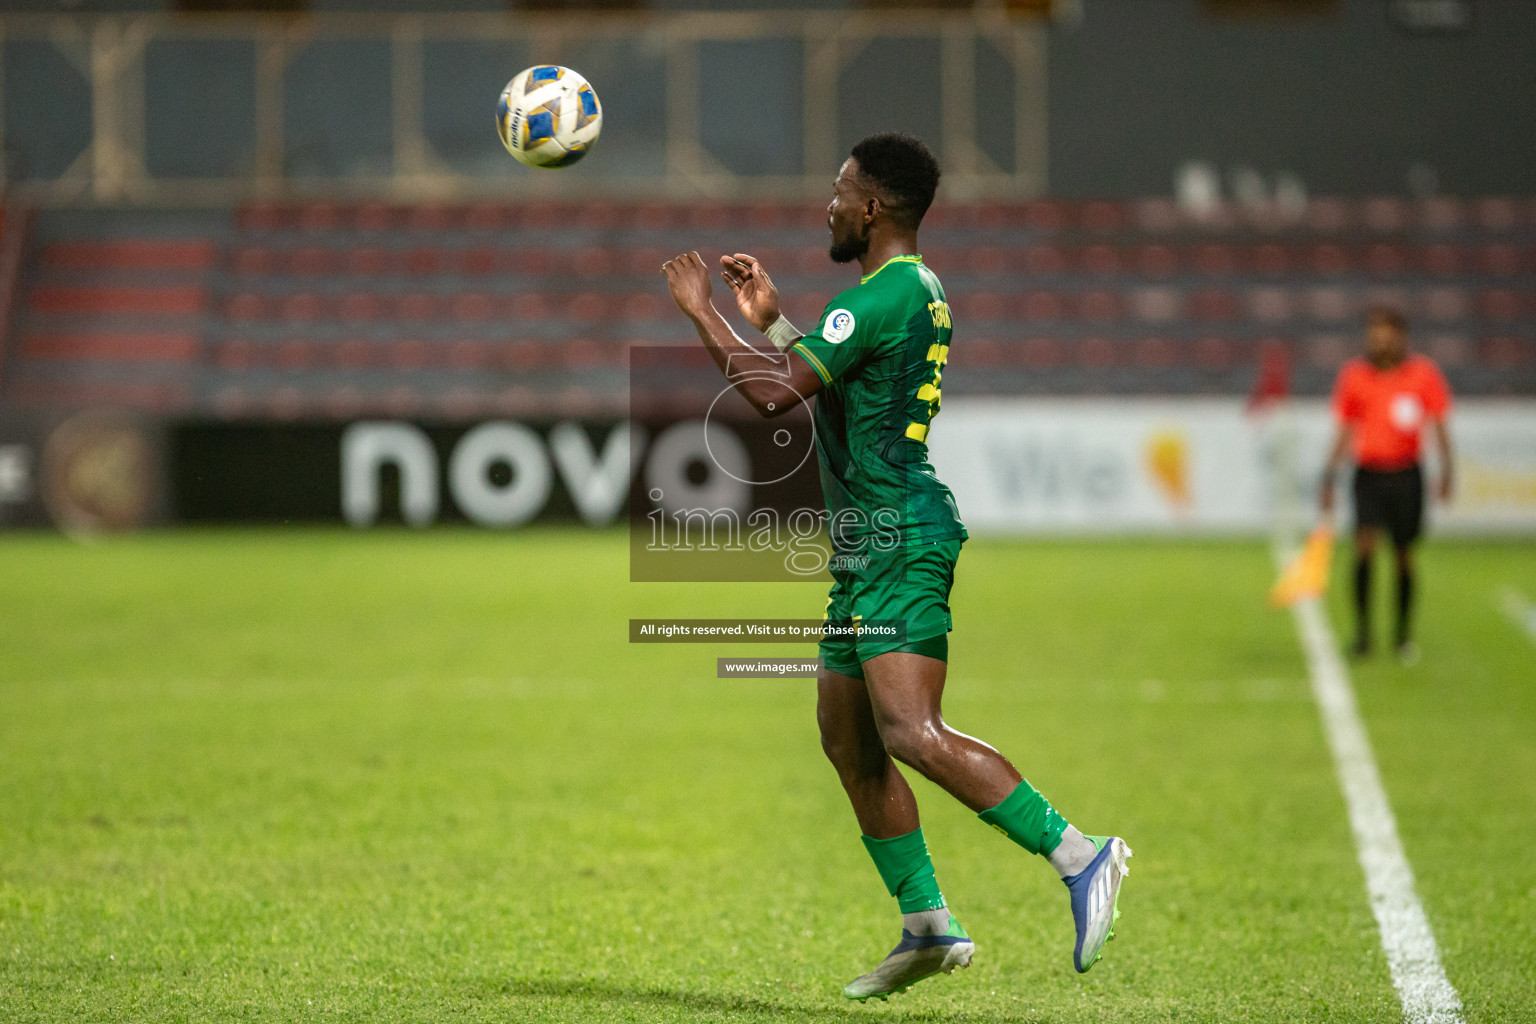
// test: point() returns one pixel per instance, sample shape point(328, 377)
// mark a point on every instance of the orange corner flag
point(1306, 575)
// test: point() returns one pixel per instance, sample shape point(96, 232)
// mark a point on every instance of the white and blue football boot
point(916, 957)
point(1095, 897)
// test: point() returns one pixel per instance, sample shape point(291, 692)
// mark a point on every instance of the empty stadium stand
point(327, 310)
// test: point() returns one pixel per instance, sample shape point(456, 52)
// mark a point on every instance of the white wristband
point(783, 333)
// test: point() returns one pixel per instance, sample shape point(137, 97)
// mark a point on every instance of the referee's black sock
point(1404, 604)
point(1362, 604)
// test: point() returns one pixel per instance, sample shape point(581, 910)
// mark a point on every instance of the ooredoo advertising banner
point(1200, 466)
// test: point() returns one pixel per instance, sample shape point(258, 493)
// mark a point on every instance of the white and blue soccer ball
point(548, 116)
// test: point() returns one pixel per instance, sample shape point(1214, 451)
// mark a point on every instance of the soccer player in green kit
point(875, 363)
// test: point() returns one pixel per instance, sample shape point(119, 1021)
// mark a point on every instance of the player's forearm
point(726, 346)
point(1447, 455)
point(1336, 454)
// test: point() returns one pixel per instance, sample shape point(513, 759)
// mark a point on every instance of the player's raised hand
point(688, 279)
point(756, 296)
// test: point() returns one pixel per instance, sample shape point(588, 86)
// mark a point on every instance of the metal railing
point(114, 56)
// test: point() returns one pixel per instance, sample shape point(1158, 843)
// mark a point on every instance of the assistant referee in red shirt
point(1382, 403)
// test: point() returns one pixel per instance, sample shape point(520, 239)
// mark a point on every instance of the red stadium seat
point(246, 306)
point(469, 355)
point(302, 306)
point(484, 217)
point(424, 261)
point(1041, 306)
point(1215, 260)
point(417, 307)
point(409, 354)
point(1504, 352)
point(1158, 215)
point(1096, 353)
point(479, 260)
point(1328, 259)
point(359, 307)
point(1214, 353)
point(1042, 352)
point(374, 217)
point(1103, 216)
point(61, 299)
point(343, 403)
point(1156, 260)
point(1327, 215)
point(646, 306)
point(983, 352)
point(1213, 305)
point(1046, 215)
point(319, 217)
point(1500, 260)
point(1044, 259)
point(1500, 304)
point(1271, 259)
point(460, 403)
point(1100, 259)
point(1498, 214)
point(401, 401)
point(989, 259)
point(473, 307)
point(588, 306)
point(1098, 305)
point(1385, 215)
point(1441, 260)
point(112, 347)
point(253, 260)
point(286, 403)
point(529, 306)
point(312, 261)
point(592, 261)
point(131, 254)
point(235, 355)
point(979, 306)
point(261, 217)
point(368, 261)
point(523, 355)
point(294, 354)
point(1156, 352)
point(1386, 260)
point(353, 354)
point(430, 217)
point(1441, 214)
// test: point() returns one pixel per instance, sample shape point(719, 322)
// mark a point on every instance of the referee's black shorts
point(1391, 500)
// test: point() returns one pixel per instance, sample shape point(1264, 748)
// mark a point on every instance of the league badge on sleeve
point(839, 326)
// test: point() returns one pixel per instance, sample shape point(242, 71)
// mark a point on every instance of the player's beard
point(846, 250)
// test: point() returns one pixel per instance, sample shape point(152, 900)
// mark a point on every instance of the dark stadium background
point(300, 216)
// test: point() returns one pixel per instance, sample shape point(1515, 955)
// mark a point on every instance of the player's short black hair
point(903, 172)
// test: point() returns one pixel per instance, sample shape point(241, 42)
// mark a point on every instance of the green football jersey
point(880, 351)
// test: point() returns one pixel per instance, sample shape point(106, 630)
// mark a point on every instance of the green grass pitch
point(266, 776)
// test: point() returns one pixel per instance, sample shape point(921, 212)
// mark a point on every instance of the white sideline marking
point(1412, 955)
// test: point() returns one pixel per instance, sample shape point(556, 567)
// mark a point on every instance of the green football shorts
point(908, 586)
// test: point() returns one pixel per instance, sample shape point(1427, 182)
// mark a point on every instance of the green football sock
point(906, 870)
point(1028, 819)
